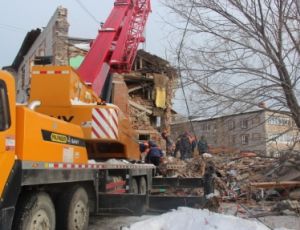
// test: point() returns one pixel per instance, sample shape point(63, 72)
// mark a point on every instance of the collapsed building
point(144, 95)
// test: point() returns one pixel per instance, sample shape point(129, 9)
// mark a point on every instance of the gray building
point(257, 131)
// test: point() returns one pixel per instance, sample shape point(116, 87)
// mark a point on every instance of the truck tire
point(73, 209)
point(143, 186)
point(134, 186)
point(35, 212)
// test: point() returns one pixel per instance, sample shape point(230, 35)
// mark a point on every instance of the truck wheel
point(73, 209)
point(134, 186)
point(35, 212)
point(143, 186)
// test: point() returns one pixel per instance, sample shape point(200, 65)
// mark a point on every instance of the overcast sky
point(18, 17)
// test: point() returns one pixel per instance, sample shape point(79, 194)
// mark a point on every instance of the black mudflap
point(129, 204)
point(165, 203)
point(168, 202)
point(171, 182)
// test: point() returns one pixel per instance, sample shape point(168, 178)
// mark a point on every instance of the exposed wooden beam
point(140, 107)
point(135, 88)
point(276, 184)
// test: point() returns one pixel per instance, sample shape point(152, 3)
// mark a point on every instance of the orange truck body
point(43, 156)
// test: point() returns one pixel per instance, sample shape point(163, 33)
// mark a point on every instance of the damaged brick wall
point(151, 85)
point(60, 37)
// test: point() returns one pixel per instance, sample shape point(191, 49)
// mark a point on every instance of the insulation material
point(161, 83)
point(160, 99)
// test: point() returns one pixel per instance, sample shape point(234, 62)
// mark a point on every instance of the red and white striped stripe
point(105, 123)
point(53, 165)
point(51, 72)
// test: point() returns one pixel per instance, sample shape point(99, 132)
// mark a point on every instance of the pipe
point(34, 104)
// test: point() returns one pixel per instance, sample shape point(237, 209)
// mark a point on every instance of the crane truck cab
point(7, 146)
point(27, 136)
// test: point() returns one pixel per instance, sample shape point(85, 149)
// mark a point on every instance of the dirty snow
point(195, 219)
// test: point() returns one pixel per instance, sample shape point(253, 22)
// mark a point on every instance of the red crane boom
point(116, 45)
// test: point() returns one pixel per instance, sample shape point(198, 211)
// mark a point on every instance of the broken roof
point(153, 59)
point(26, 45)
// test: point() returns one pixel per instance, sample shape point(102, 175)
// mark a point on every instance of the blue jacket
point(155, 152)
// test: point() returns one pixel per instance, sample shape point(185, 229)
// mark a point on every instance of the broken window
point(144, 137)
point(23, 76)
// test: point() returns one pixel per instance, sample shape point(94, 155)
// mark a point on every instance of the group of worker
point(186, 144)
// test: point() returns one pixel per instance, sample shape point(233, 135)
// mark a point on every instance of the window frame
point(244, 123)
point(245, 139)
point(231, 124)
point(5, 104)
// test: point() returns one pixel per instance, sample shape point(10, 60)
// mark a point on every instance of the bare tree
point(241, 53)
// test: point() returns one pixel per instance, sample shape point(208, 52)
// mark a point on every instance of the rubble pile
point(235, 173)
point(286, 169)
point(174, 167)
point(245, 177)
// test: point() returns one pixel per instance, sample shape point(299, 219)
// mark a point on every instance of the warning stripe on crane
point(105, 123)
point(51, 72)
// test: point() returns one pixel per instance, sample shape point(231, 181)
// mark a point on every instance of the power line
point(179, 66)
point(88, 12)
point(11, 27)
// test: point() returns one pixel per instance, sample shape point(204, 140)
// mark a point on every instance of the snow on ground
point(196, 219)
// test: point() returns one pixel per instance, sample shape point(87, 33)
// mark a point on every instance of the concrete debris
point(174, 167)
point(247, 179)
point(291, 205)
point(295, 194)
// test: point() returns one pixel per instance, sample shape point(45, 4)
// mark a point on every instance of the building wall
point(51, 42)
point(259, 131)
point(282, 134)
point(244, 132)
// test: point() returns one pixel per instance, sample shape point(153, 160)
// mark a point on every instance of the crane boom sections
point(116, 45)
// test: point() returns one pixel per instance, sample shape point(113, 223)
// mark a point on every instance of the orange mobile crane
point(52, 171)
point(47, 180)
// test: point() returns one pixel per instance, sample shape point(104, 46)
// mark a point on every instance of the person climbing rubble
point(154, 154)
point(184, 146)
point(202, 145)
point(144, 149)
point(170, 146)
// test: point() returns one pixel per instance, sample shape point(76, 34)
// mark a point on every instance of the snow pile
point(195, 219)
